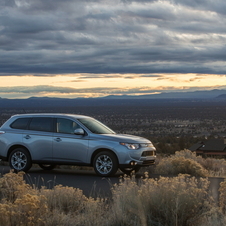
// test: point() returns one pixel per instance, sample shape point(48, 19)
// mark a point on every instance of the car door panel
point(40, 145)
point(70, 148)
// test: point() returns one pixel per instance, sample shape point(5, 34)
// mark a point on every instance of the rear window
point(41, 124)
point(20, 123)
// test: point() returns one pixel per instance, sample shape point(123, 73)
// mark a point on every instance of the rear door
point(38, 138)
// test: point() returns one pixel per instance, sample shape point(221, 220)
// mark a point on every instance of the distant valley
point(172, 123)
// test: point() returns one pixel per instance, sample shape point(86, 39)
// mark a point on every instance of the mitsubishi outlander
point(66, 139)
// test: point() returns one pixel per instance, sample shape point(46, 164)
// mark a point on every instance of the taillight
point(2, 132)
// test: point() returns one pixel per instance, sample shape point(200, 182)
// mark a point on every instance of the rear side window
point(41, 124)
point(20, 123)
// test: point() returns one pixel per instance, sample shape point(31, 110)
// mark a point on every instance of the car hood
point(120, 138)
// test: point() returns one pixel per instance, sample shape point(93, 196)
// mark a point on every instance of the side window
point(66, 126)
point(20, 123)
point(41, 124)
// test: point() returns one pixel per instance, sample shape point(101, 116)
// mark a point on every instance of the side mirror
point(79, 131)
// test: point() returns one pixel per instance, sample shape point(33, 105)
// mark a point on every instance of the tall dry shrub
point(23, 205)
point(25, 211)
point(179, 201)
point(96, 212)
point(12, 186)
point(210, 166)
point(20, 205)
point(222, 197)
point(69, 206)
point(175, 165)
point(215, 167)
point(127, 208)
point(65, 199)
point(187, 154)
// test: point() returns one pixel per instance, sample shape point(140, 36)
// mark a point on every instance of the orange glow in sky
point(89, 85)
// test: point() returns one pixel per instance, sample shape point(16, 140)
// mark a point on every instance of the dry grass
point(22, 205)
point(223, 196)
point(175, 201)
point(188, 163)
point(181, 200)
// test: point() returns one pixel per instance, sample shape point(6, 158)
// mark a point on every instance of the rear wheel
point(20, 160)
point(105, 164)
point(47, 166)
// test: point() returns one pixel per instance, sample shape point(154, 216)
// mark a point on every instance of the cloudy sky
point(89, 48)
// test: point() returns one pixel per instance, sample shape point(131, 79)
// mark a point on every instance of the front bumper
point(140, 157)
point(139, 163)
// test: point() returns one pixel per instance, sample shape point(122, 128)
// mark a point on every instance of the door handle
point(57, 139)
point(27, 137)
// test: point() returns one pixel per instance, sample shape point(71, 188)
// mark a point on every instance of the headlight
point(131, 146)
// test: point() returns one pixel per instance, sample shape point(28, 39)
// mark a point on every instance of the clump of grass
point(19, 203)
point(177, 164)
point(12, 186)
point(222, 200)
point(182, 200)
point(23, 205)
point(215, 167)
point(65, 199)
point(179, 200)
point(187, 162)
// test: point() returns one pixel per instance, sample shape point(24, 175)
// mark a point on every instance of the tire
point(128, 171)
point(47, 166)
point(105, 164)
point(20, 160)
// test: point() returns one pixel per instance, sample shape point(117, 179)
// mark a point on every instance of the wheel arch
point(100, 150)
point(14, 147)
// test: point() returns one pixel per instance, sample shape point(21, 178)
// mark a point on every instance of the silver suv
point(63, 139)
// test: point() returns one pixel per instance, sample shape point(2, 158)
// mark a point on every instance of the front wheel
point(105, 164)
point(47, 166)
point(20, 160)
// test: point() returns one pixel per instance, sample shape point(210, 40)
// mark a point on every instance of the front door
point(68, 147)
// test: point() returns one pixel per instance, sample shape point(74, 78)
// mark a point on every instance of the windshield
point(95, 126)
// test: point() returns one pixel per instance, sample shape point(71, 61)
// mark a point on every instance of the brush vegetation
point(181, 200)
point(186, 162)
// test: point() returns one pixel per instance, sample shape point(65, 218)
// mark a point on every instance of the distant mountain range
point(114, 100)
point(216, 93)
point(223, 96)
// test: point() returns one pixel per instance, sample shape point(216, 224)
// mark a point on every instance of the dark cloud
point(210, 5)
point(103, 37)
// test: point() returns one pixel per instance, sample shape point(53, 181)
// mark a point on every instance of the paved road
point(88, 181)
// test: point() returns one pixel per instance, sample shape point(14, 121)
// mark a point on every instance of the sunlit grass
point(187, 162)
point(180, 199)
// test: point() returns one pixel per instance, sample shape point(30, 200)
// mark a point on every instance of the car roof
point(75, 116)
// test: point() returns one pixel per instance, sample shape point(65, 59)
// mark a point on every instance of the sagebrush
point(188, 163)
point(182, 200)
